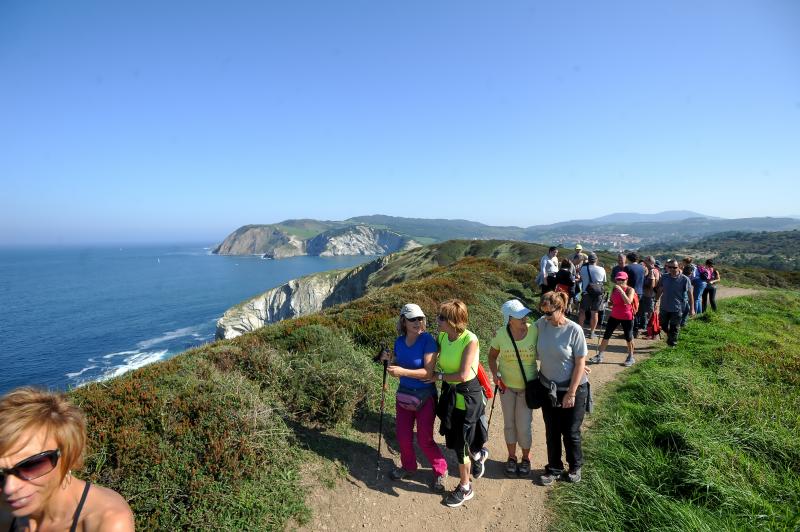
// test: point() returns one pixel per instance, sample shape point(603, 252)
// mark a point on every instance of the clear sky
point(182, 120)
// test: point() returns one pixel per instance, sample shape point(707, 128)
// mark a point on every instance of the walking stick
point(380, 429)
point(489, 424)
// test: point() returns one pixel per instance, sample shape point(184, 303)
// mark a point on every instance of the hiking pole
point(383, 356)
point(494, 399)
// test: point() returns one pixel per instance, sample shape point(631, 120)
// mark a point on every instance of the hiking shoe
point(438, 483)
point(398, 473)
point(478, 467)
point(511, 467)
point(629, 361)
point(573, 475)
point(597, 359)
point(458, 496)
point(593, 336)
point(548, 477)
point(524, 468)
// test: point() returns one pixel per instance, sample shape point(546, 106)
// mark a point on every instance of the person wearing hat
point(414, 360)
point(506, 371)
point(579, 258)
point(622, 300)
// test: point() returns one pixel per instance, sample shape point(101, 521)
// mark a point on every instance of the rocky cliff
point(278, 241)
point(298, 297)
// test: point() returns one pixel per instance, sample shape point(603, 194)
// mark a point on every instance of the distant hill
point(775, 250)
point(289, 238)
point(635, 217)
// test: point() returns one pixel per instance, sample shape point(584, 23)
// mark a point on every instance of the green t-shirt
point(450, 358)
point(507, 363)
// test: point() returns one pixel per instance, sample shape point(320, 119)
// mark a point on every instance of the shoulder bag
point(532, 396)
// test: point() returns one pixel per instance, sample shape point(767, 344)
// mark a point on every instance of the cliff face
point(358, 240)
point(296, 298)
point(261, 239)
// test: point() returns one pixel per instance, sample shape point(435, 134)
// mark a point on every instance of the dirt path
point(363, 502)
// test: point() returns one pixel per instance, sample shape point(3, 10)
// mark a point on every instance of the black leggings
point(627, 328)
point(710, 296)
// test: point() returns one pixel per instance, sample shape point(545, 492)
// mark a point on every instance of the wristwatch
point(440, 376)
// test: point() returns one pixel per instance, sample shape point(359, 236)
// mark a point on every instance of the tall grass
point(703, 436)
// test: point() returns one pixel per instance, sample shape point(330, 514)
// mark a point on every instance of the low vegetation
point(703, 436)
point(223, 436)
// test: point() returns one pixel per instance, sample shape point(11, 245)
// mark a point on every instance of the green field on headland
point(229, 435)
point(703, 436)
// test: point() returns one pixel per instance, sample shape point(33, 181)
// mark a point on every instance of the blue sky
point(163, 121)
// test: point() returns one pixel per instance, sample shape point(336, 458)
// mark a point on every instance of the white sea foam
point(79, 373)
point(171, 335)
point(134, 362)
point(120, 354)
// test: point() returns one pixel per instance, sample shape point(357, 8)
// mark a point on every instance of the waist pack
point(412, 399)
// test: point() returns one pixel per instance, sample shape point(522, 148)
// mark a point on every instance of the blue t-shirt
point(413, 358)
point(635, 273)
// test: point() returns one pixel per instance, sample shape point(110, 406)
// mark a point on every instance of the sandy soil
point(362, 501)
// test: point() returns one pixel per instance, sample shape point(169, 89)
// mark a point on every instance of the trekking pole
point(494, 399)
point(380, 429)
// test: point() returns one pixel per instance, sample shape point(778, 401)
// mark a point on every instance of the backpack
point(654, 327)
point(635, 303)
point(703, 274)
point(594, 288)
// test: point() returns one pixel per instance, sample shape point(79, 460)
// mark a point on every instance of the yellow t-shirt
point(507, 363)
point(450, 354)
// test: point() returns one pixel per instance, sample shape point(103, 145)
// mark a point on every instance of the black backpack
point(594, 288)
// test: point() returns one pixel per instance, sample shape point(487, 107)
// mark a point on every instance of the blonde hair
point(454, 312)
point(556, 300)
point(28, 409)
point(401, 325)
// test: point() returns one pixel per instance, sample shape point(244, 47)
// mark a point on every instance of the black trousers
point(564, 424)
point(670, 321)
point(710, 296)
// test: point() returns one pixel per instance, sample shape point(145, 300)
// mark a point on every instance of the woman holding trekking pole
point(462, 403)
point(414, 360)
point(512, 359)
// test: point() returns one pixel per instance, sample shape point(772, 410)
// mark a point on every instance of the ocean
point(69, 316)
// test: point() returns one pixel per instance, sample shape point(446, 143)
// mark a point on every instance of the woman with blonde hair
point(461, 406)
point(414, 360)
point(42, 439)
point(561, 348)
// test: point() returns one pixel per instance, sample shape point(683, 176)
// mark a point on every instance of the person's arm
point(419, 374)
point(577, 377)
point(625, 294)
point(715, 277)
point(691, 299)
point(493, 354)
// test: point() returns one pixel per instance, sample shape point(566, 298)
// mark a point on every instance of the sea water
point(74, 315)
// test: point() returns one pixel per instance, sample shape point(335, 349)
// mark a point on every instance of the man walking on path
point(548, 265)
point(672, 292)
point(591, 300)
point(636, 275)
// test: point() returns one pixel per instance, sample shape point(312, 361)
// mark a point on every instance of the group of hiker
point(540, 365)
point(559, 386)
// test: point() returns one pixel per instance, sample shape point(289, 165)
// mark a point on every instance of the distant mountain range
point(612, 232)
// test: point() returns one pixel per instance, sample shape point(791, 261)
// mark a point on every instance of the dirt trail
point(363, 502)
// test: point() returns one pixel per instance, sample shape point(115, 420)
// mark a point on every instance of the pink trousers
point(405, 433)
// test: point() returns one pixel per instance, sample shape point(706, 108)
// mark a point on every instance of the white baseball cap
point(513, 308)
point(410, 310)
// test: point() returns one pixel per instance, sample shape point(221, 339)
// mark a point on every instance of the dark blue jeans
point(564, 424)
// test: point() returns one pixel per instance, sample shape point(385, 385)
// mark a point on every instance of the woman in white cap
point(511, 368)
point(622, 313)
point(414, 360)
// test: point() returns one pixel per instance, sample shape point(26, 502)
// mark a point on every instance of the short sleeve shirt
point(557, 349)
point(414, 357)
point(450, 354)
point(507, 363)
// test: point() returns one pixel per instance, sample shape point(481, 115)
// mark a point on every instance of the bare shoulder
point(107, 511)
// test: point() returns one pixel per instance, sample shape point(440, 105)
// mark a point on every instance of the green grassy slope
point(701, 437)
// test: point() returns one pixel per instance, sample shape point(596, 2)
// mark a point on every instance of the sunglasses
point(440, 318)
point(672, 267)
point(418, 318)
point(550, 313)
point(32, 467)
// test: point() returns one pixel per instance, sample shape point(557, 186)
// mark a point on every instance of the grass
point(703, 436)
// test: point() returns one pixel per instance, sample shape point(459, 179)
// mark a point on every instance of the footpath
point(361, 502)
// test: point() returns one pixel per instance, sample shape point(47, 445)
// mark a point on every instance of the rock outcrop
point(276, 242)
point(298, 297)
